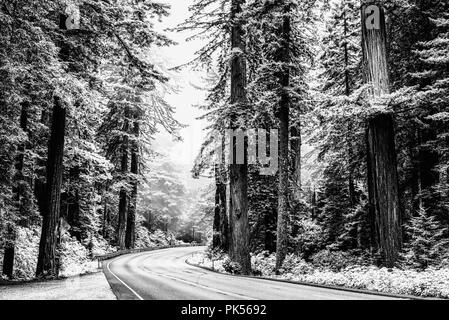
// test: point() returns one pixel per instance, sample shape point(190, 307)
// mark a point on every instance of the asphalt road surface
point(164, 275)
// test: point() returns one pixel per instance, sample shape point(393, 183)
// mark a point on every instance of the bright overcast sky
point(182, 153)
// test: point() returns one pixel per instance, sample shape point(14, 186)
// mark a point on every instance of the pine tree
point(428, 242)
point(433, 101)
point(238, 173)
point(283, 57)
point(279, 53)
point(383, 188)
point(222, 24)
point(339, 136)
point(29, 64)
point(136, 108)
point(341, 57)
point(411, 26)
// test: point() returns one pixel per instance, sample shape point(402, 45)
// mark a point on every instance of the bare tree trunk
point(383, 187)
point(131, 219)
point(296, 144)
point(415, 185)
point(284, 110)
point(47, 260)
point(8, 256)
point(238, 173)
point(105, 220)
point(221, 230)
point(123, 197)
point(314, 204)
point(132, 209)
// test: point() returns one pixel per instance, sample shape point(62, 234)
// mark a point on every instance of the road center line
point(195, 284)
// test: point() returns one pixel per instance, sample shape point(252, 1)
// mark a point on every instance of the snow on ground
point(87, 287)
point(429, 283)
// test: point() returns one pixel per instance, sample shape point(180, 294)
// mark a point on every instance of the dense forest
point(356, 89)
point(81, 101)
point(358, 93)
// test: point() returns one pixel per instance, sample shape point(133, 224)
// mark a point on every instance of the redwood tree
point(283, 57)
point(132, 206)
point(123, 197)
point(47, 259)
point(383, 187)
point(238, 173)
point(221, 227)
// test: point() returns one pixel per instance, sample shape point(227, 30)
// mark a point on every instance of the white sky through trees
point(187, 95)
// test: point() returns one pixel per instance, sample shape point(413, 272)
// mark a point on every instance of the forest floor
point(93, 286)
point(430, 283)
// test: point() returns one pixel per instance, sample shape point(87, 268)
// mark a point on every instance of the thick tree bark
point(132, 209)
point(314, 204)
point(8, 258)
point(123, 201)
point(383, 187)
point(132, 206)
point(47, 264)
point(123, 196)
point(221, 230)
point(284, 110)
point(296, 144)
point(238, 173)
point(105, 220)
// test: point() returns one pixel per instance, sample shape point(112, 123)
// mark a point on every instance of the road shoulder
point(120, 289)
point(332, 287)
point(93, 286)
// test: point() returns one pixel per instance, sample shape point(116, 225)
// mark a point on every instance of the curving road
point(164, 275)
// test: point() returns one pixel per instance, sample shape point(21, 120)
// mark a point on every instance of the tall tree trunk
point(123, 201)
point(123, 197)
point(270, 232)
point(70, 202)
point(104, 227)
point(284, 110)
point(39, 182)
point(47, 264)
point(132, 209)
point(8, 257)
point(238, 173)
point(106, 221)
point(383, 187)
point(296, 144)
point(415, 181)
point(351, 186)
point(221, 230)
point(428, 159)
point(314, 204)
